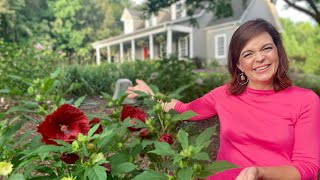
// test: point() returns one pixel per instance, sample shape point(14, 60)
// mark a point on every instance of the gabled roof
point(238, 8)
point(132, 13)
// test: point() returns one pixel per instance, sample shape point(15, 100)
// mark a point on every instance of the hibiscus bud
point(82, 138)
point(5, 168)
point(120, 145)
point(183, 164)
point(166, 138)
point(75, 146)
point(149, 121)
point(68, 178)
point(196, 167)
point(69, 158)
point(144, 133)
point(90, 146)
point(168, 116)
point(110, 104)
point(38, 97)
point(97, 157)
point(108, 167)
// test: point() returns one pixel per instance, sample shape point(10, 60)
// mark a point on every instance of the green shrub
point(21, 64)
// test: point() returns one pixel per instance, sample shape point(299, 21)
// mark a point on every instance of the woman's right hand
point(140, 86)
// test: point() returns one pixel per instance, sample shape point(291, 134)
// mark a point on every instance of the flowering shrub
point(130, 143)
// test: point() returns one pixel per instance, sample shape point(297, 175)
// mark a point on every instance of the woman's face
point(259, 60)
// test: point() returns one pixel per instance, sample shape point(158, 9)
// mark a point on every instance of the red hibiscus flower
point(95, 121)
point(132, 112)
point(144, 133)
point(64, 124)
point(69, 158)
point(166, 138)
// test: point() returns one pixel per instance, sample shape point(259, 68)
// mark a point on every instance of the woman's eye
point(267, 49)
point(247, 55)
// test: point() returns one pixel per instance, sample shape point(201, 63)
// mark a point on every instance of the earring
point(243, 79)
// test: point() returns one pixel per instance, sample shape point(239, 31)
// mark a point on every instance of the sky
point(290, 13)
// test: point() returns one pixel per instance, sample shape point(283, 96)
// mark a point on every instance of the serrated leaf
point(219, 166)
point(78, 102)
point(163, 148)
point(183, 138)
point(96, 173)
point(184, 116)
point(205, 136)
point(185, 173)
point(151, 175)
point(123, 168)
point(201, 156)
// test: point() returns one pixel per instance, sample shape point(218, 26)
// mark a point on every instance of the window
point(220, 46)
point(183, 46)
point(179, 10)
point(128, 26)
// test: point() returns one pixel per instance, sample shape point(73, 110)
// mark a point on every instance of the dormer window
point(179, 10)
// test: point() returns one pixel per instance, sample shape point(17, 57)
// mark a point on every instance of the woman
point(267, 126)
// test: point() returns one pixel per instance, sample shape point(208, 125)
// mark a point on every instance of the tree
point(221, 8)
point(312, 7)
point(79, 22)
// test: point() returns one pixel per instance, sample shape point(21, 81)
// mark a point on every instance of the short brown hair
point(240, 38)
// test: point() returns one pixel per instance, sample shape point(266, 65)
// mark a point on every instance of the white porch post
point(121, 52)
point(169, 42)
point(133, 50)
point(98, 56)
point(191, 44)
point(109, 54)
point(151, 46)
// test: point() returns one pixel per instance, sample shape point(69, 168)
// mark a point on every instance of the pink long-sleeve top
point(264, 128)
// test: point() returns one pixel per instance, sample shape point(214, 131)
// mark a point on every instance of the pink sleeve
point(203, 106)
point(306, 151)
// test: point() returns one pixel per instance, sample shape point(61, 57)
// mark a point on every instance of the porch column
point(191, 44)
point(133, 50)
point(109, 54)
point(121, 52)
point(151, 46)
point(169, 43)
point(98, 56)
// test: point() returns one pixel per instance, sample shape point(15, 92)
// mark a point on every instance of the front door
point(145, 52)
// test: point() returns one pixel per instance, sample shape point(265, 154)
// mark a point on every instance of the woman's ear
point(239, 66)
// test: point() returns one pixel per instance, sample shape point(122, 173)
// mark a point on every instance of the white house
point(170, 32)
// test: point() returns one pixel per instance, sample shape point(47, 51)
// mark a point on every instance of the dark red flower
point(95, 121)
point(144, 133)
point(132, 112)
point(166, 138)
point(108, 167)
point(69, 158)
point(64, 124)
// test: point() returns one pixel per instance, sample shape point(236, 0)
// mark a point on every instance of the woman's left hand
point(249, 173)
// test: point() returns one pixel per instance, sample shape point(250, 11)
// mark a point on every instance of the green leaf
point(163, 148)
point(78, 102)
point(184, 116)
point(205, 136)
point(47, 148)
point(185, 173)
point(93, 129)
point(151, 175)
point(183, 138)
point(219, 166)
point(122, 168)
point(96, 173)
point(177, 158)
point(201, 156)
point(16, 177)
point(154, 88)
point(146, 142)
